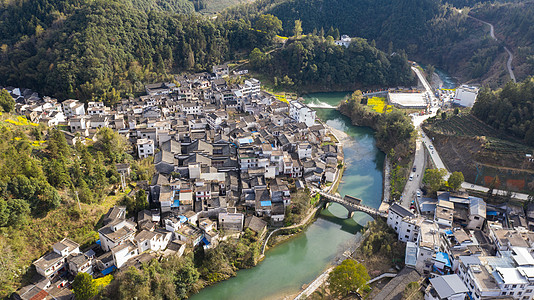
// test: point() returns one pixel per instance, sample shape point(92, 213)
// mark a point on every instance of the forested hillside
point(509, 110)
point(107, 44)
point(316, 63)
point(40, 175)
point(428, 31)
point(514, 23)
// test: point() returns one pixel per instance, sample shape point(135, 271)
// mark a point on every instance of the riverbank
point(341, 138)
point(378, 262)
point(297, 259)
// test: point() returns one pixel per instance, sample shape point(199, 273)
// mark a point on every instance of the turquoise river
point(298, 261)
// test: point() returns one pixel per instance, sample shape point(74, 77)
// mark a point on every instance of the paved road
point(411, 187)
point(510, 55)
point(509, 64)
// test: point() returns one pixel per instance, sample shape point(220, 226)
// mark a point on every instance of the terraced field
point(479, 151)
point(465, 125)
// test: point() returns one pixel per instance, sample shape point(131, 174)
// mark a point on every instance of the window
point(477, 218)
point(406, 236)
point(408, 230)
point(528, 291)
point(504, 293)
point(514, 286)
point(519, 293)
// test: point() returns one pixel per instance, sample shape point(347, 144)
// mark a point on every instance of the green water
point(297, 262)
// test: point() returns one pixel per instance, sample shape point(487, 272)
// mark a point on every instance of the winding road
point(510, 55)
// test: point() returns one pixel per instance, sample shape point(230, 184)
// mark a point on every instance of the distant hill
point(514, 23)
point(429, 31)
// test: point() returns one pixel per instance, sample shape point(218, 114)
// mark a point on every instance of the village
point(227, 157)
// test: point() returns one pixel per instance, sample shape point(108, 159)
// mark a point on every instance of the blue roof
point(205, 241)
point(183, 219)
point(175, 203)
point(443, 258)
point(449, 232)
point(98, 243)
point(491, 213)
point(109, 270)
point(265, 203)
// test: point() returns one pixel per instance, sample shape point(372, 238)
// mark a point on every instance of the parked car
point(414, 168)
point(431, 147)
point(418, 194)
point(411, 177)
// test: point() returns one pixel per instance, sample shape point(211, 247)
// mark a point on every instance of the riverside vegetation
point(395, 135)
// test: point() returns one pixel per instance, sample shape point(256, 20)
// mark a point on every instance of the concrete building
point(145, 148)
point(448, 287)
point(301, 113)
point(408, 100)
point(465, 96)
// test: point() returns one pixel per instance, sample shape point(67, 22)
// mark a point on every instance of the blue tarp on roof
point(449, 232)
point(108, 270)
point(443, 258)
point(183, 219)
point(245, 141)
point(205, 241)
point(98, 243)
point(265, 203)
point(491, 213)
point(175, 203)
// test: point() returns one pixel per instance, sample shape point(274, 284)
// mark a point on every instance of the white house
point(428, 243)
point(301, 113)
point(251, 87)
point(80, 263)
point(96, 108)
point(54, 261)
point(116, 233)
point(73, 107)
point(344, 41)
point(477, 213)
point(145, 148)
point(477, 278)
point(123, 252)
point(444, 213)
point(152, 240)
point(78, 123)
point(304, 150)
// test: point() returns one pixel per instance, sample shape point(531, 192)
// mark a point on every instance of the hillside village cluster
point(468, 249)
point(227, 157)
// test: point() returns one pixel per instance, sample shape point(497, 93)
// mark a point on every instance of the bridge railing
point(360, 207)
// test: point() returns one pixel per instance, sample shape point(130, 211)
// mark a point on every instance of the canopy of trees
point(455, 180)
point(509, 110)
point(84, 286)
point(7, 103)
point(349, 276)
point(395, 131)
point(314, 61)
point(433, 179)
point(423, 29)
